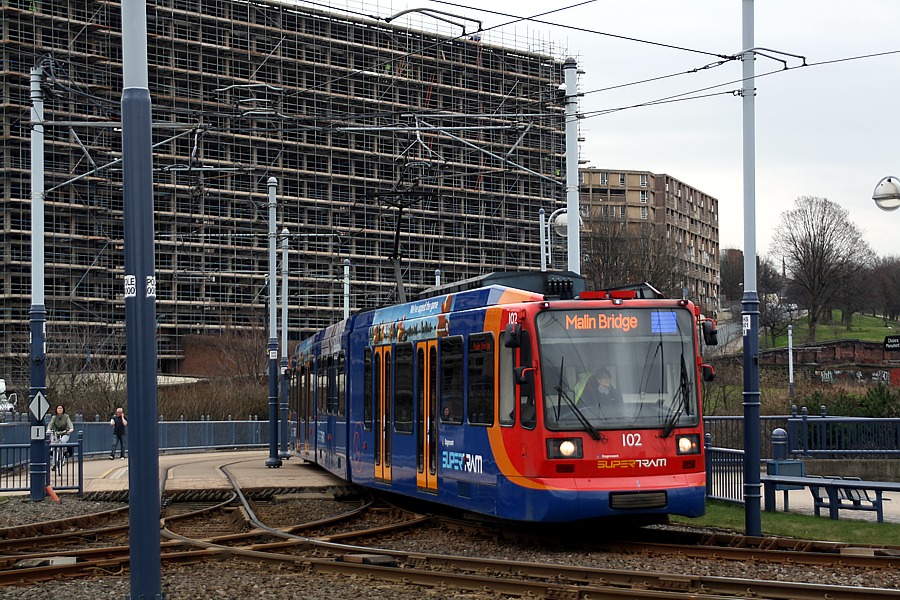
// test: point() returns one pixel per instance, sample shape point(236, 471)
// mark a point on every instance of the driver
point(596, 390)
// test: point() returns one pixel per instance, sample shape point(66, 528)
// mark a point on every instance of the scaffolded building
point(434, 149)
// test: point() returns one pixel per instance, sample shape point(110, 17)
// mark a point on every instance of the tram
point(520, 396)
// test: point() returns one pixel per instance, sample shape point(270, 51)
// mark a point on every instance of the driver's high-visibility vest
point(581, 385)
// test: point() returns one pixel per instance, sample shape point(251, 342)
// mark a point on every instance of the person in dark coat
point(118, 423)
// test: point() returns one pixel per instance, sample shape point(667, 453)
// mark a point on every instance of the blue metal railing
point(96, 439)
point(724, 474)
point(174, 436)
point(843, 437)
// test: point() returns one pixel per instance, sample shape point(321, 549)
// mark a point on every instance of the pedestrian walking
point(118, 423)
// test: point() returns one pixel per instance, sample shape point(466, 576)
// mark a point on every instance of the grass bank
point(864, 327)
point(724, 515)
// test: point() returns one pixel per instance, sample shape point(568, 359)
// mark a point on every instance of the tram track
point(240, 528)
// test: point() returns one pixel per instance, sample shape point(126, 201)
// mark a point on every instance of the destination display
point(622, 322)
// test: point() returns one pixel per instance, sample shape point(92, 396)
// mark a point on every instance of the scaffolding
point(344, 110)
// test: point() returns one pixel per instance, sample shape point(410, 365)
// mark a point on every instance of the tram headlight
point(564, 448)
point(688, 444)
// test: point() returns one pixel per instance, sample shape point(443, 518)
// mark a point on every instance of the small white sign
point(39, 406)
point(151, 286)
point(746, 324)
point(38, 432)
point(130, 286)
point(273, 354)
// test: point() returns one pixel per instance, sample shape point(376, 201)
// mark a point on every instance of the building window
point(644, 180)
point(604, 178)
point(645, 195)
point(622, 179)
point(622, 211)
point(644, 212)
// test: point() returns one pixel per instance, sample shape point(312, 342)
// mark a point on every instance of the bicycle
point(57, 450)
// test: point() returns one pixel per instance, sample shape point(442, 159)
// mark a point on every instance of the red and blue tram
point(489, 400)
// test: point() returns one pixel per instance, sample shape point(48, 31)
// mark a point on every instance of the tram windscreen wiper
point(562, 394)
point(679, 402)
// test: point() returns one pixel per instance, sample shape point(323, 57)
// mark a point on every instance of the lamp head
point(887, 193)
point(561, 224)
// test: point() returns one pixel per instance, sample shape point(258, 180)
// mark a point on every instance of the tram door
point(383, 405)
point(426, 426)
point(305, 416)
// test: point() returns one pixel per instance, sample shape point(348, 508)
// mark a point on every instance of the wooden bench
point(834, 493)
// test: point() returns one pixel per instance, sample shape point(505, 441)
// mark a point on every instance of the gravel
point(238, 580)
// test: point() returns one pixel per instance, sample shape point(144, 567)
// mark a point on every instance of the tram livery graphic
point(535, 402)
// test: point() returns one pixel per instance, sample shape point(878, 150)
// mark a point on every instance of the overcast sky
point(828, 130)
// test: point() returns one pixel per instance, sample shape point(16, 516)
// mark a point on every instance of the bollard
point(779, 444)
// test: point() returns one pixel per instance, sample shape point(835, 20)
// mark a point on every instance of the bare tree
point(731, 275)
point(604, 260)
point(821, 248)
point(233, 353)
point(774, 317)
point(617, 253)
point(86, 369)
point(886, 286)
point(849, 298)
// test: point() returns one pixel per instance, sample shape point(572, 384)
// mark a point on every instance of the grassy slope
point(732, 517)
point(865, 327)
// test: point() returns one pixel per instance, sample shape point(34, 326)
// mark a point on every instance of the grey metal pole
point(346, 288)
point(791, 361)
point(38, 403)
point(570, 75)
point(285, 452)
point(140, 305)
point(273, 460)
point(543, 220)
point(750, 301)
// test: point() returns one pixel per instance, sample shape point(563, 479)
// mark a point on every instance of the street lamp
point(558, 222)
point(887, 193)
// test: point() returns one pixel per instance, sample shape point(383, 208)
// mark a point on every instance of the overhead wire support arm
point(430, 12)
point(765, 52)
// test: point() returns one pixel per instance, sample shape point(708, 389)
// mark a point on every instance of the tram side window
point(322, 386)
point(294, 391)
point(452, 390)
point(367, 388)
point(527, 410)
point(332, 387)
point(341, 376)
point(306, 409)
point(481, 379)
point(403, 388)
point(506, 386)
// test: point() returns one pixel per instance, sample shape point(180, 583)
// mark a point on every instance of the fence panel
point(725, 474)
point(843, 437)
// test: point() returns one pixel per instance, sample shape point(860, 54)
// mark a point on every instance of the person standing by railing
point(118, 423)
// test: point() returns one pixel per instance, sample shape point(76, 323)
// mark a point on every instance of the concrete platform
point(203, 471)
